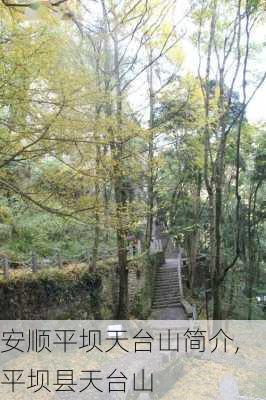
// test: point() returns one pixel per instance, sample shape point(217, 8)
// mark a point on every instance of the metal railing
point(179, 274)
point(36, 263)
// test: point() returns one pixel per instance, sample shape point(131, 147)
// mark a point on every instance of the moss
point(74, 291)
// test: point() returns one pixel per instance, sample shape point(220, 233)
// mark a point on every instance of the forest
point(120, 116)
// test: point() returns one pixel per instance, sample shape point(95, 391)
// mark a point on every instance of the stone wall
point(141, 285)
point(75, 292)
point(50, 294)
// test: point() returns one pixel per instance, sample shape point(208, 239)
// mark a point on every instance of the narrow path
point(166, 300)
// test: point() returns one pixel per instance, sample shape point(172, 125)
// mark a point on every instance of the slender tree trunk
point(120, 195)
point(149, 225)
point(195, 234)
point(96, 240)
point(208, 162)
point(252, 249)
point(122, 253)
point(96, 184)
point(117, 150)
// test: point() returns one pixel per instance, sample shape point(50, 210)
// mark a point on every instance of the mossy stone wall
point(75, 292)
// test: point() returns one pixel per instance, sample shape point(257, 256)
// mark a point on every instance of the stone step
point(169, 285)
point(165, 283)
point(166, 305)
point(167, 269)
point(166, 300)
point(167, 290)
point(166, 277)
point(170, 301)
point(166, 296)
point(167, 272)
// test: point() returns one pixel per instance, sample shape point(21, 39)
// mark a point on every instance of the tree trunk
point(120, 194)
point(112, 72)
point(97, 196)
point(150, 199)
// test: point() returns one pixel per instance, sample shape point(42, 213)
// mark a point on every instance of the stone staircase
point(166, 291)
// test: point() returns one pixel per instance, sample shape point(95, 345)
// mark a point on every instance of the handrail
point(179, 265)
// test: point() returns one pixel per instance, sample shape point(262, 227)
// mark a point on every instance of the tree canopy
point(115, 115)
